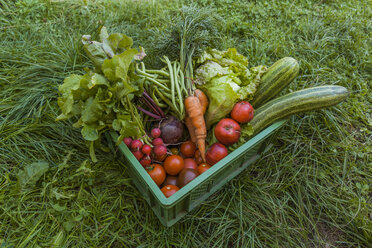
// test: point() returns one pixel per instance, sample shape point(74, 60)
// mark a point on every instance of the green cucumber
point(275, 79)
point(297, 102)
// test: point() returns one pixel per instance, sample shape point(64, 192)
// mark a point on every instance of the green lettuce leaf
point(221, 99)
point(225, 79)
point(107, 47)
point(246, 132)
point(116, 69)
point(102, 99)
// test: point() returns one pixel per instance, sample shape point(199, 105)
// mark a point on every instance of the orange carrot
point(204, 104)
point(191, 128)
point(202, 98)
point(195, 112)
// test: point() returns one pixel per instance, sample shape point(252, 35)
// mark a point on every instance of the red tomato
point(188, 149)
point(198, 158)
point(169, 190)
point(186, 176)
point(157, 173)
point(173, 164)
point(215, 153)
point(170, 180)
point(203, 167)
point(190, 163)
point(242, 112)
point(227, 131)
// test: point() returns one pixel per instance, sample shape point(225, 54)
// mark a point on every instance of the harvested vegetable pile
point(209, 93)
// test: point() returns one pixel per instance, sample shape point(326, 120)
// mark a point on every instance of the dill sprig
point(188, 32)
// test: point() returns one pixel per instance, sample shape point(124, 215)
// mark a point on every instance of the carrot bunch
point(196, 105)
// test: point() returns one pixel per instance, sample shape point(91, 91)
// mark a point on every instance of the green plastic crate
point(172, 209)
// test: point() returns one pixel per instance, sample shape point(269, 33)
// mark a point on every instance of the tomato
point(170, 180)
point(174, 150)
point(190, 163)
point(242, 112)
point(186, 176)
point(198, 158)
point(227, 131)
point(157, 173)
point(188, 149)
point(169, 190)
point(203, 167)
point(215, 153)
point(173, 164)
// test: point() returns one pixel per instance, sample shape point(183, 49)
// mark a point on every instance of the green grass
point(312, 190)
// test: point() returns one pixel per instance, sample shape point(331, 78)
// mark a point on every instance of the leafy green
point(225, 79)
point(221, 99)
point(101, 100)
point(246, 132)
point(107, 47)
point(31, 174)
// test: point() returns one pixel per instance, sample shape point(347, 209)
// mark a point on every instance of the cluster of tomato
point(171, 170)
point(174, 168)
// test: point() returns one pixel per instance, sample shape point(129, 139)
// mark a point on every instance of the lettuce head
point(225, 78)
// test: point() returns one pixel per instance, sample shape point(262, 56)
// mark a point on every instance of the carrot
point(195, 112)
point(191, 128)
point(202, 98)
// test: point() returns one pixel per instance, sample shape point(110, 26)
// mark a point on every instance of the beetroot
point(171, 130)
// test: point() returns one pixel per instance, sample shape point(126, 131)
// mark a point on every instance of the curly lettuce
point(225, 78)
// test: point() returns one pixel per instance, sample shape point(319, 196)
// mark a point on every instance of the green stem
point(176, 70)
point(166, 100)
point(144, 74)
point(183, 88)
point(160, 72)
point(172, 81)
point(161, 105)
point(157, 83)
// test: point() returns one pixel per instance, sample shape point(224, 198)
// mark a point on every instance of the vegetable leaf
point(246, 132)
point(102, 101)
point(31, 174)
point(89, 133)
point(116, 69)
point(221, 99)
point(225, 79)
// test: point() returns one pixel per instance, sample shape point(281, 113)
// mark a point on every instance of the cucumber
point(297, 102)
point(275, 79)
